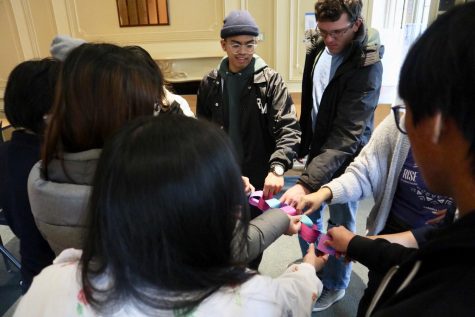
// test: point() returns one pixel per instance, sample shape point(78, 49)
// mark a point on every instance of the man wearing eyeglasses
point(251, 102)
point(340, 90)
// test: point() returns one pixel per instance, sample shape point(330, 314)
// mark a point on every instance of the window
point(142, 12)
point(399, 23)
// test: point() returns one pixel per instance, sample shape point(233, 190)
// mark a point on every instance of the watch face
point(278, 170)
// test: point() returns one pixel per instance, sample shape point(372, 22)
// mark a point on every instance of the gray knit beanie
point(62, 45)
point(239, 23)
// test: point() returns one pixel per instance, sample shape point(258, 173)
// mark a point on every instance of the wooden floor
point(6, 129)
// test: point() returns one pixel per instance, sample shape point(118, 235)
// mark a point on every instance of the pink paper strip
point(262, 205)
point(309, 234)
point(289, 210)
point(324, 248)
point(255, 197)
point(256, 200)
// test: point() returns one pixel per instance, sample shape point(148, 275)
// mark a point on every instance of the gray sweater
point(59, 205)
point(374, 171)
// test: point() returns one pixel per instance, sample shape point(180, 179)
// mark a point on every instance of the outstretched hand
point(311, 202)
point(293, 195)
point(248, 188)
point(341, 237)
point(272, 185)
point(294, 225)
point(318, 262)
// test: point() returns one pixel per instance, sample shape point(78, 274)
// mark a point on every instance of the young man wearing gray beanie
point(251, 102)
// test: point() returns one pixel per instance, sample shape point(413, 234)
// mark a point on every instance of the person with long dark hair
point(101, 87)
point(167, 233)
point(171, 103)
point(29, 96)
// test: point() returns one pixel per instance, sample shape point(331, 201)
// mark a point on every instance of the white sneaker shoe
point(328, 298)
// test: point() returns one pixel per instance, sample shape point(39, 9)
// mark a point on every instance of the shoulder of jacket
point(209, 80)
point(372, 51)
point(268, 73)
point(212, 75)
point(265, 75)
point(268, 70)
point(312, 41)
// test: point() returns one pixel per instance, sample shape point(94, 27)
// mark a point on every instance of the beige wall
point(189, 33)
point(26, 29)
point(10, 53)
point(190, 43)
point(187, 48)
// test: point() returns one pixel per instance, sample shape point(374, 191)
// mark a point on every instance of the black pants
point(35, 252)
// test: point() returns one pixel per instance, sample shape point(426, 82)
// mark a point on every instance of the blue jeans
point(336, 274)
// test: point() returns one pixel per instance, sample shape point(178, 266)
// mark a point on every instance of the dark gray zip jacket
point(269, 128)
point(345, 117)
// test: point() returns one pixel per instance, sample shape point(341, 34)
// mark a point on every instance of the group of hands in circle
point(306, 203)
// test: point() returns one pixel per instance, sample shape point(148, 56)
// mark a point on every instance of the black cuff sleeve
point(377, 255)
point(420, 234)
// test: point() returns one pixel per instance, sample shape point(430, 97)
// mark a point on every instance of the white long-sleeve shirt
point(57, 291)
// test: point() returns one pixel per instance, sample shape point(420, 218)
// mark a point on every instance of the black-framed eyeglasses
point(335, 34)
point(399, 112)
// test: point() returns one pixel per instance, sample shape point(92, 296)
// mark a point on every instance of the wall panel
point(27, 27)
point(193, 30)
point(10, 51)
point(263, 12)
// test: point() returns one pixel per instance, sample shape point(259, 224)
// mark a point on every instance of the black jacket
point(443, 272)
point(269, 128)
point(16, 160)
point(345, 116)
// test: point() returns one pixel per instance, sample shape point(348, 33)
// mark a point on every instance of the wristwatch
point(277, 169)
